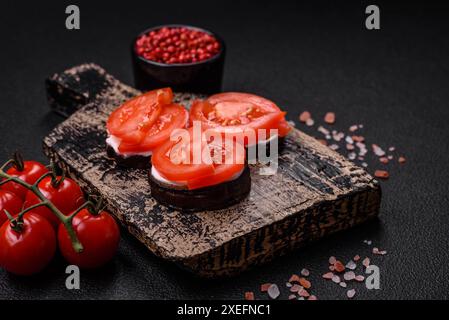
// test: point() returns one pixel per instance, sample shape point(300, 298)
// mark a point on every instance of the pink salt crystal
point(350, 293)
point(328, 275)
point(359, 278)
point(366, 262)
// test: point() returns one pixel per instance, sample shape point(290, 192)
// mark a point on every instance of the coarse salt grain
point(273, 291)
point(356, 258)
point(359, 278)
point(292, 297)
point(339, 266)
point(329, 118)
point(350, 293)
point(295, 288)
point(377, 150)
point(294, 278)
point(303, 293)
point(264, 287)
point(349, 140)
point(384, 160)
point(328, 275)
point(310, 122)
point(343, 284)
point(350, 147)
point(305, 272)
point(382, 174)
point(312, 297)
point(366, 262)
point(379, 252)
point(348, 276)
point(304, 116)
point(336, 279)
point(353, 128)
point(351, 265)
point(305, 283)
point(358, 138)
point(332, 260)
point(323, 130)
point(249, 295)
point(334, 146)
point(401, 160)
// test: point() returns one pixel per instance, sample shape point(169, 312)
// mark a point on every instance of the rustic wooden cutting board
point(315, 192)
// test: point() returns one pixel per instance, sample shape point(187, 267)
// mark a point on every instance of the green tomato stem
point(65, 220)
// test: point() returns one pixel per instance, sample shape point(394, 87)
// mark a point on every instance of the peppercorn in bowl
point(185, 58)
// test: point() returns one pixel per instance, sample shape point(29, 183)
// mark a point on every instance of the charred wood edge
point(252, 249)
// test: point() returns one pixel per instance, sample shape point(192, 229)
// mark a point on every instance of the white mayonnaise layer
point(114, 142)
point(156, 175)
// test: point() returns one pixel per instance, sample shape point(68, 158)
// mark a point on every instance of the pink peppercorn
point(177, 45)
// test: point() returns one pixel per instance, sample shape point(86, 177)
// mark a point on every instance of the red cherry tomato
point(10, 202)
point(99, 235)
point(32, 170)
point(67, 197)
point(28, 251)
point(235, 112)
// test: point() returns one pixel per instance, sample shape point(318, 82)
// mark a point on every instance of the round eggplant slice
point(208, 198)
point(137, 162)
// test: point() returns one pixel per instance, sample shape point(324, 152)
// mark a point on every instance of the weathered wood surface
point(315, 192)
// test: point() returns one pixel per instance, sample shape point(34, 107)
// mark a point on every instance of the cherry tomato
point(10, 202)
point(28, 251)
point(235, 112)
point(99, 235)
point(32, 170)
point(171, 117)
point(206, 173)
point(132, 121)
point(67, 197)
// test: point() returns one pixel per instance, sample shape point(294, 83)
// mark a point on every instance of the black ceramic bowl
point(197, 77)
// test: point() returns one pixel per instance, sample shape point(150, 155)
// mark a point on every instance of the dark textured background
point(317, 57)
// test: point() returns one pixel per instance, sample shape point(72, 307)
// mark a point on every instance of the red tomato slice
point(178, 151)
point(203, 174)
point(172, 117)
point(283, 128)
point(223, 172)
point(134, 118)
point(234, 112)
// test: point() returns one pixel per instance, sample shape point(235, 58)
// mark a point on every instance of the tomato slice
point(235, 112)
point(171, 117)
point(131, 121)
point(227, 159)
point(174, 160)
